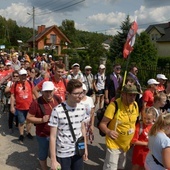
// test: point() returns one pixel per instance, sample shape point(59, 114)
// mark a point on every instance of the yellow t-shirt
point(125, 117)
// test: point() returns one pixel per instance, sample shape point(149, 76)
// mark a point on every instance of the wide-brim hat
point(132, 89)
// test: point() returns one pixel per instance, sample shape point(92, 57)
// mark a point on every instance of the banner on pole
point(128, 46)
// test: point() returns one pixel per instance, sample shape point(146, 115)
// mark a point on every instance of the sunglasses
point(118, 68)
point(15, 76)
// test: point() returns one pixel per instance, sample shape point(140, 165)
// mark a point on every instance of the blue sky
point(90, 15)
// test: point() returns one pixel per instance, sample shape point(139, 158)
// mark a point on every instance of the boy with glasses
point(62, 144)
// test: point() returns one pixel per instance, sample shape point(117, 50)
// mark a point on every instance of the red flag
point(128, 46)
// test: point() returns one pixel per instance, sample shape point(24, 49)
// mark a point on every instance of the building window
point(53, 39)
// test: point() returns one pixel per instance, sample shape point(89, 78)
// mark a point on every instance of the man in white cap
point(161, 78)
point(21, 98)
point(88, 80)
point(39, 114)
point(76, 73)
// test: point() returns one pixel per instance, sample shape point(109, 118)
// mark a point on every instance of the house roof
point(38, 36)
point(163, 29)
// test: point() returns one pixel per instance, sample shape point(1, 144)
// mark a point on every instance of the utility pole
point(33, 13)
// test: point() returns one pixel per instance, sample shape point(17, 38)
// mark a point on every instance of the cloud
point(149, 16)
point(156, 3)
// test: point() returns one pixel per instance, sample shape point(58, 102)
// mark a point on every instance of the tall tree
point(145, 52)
point(116, 47)
point(68, 28)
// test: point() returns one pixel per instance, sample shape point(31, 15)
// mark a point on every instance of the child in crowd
point(140, 139)
point(159, 103)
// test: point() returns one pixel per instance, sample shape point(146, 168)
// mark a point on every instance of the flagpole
point(125, 73)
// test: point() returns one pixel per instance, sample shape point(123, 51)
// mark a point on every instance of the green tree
point(116, 47)
point(144, 53)
point(68, 28)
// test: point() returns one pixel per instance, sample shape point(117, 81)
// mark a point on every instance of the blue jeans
point(71, 163)
point(43, 144)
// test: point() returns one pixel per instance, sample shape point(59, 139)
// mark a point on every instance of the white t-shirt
point(65, 145)
point(89, 104)
point(78, 76)
point(100, 81)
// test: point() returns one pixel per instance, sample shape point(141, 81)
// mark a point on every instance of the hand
point(12, 109)
point(55, 166)
point(113, 134)
point(45, 118)
point(106, 100)
point(91, 128)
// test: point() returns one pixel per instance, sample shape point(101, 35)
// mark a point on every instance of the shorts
point(115, 159)
point(43, 150)
point(22, 114)
point(100, 92)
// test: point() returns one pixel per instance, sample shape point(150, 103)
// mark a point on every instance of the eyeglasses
point(78, 93)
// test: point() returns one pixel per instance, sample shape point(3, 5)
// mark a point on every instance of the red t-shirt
point(42, 129)
point(23, 95)
point(160, 87)
point(140, 152)
point(60, 89)
point(148, 97)
point(2, 74)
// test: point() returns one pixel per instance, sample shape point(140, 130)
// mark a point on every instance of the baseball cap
point(102, 66)
point(75, 65)
point(22, 72)
point(8, 63)
point(50, 56)
point(130, 89)
point(152, 81)
point(48, 86)
point(88, 67)
point(84, 87)
point(161, 76)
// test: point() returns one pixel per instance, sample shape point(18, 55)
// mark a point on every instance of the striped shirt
point(65, 145)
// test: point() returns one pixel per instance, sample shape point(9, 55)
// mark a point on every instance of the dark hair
point(29, 69)
point(15, 72)
point(60, 66)
point(73, 84)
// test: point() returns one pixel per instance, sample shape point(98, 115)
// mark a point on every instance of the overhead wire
point(59, 9)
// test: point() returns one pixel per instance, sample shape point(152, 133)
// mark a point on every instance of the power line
point(68, 6)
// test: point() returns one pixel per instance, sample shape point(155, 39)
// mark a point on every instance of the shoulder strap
point(30, 83)
point(57, 98)
point(116, 107)
point(69, 122)
point(39, 100)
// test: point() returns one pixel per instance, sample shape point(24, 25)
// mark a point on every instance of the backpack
point(100, 115)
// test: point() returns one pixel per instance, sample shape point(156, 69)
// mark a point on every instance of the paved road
point(15, 156)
